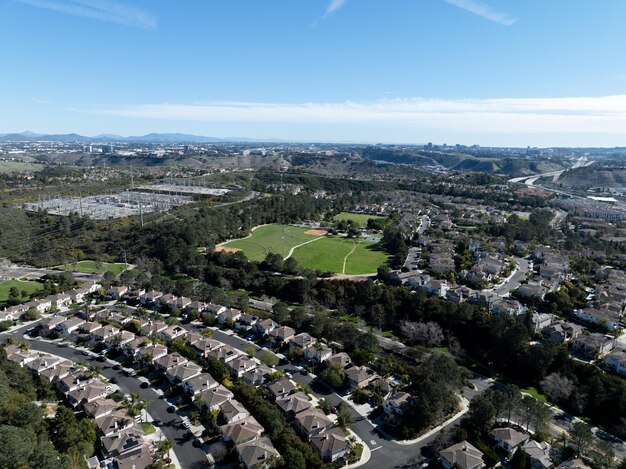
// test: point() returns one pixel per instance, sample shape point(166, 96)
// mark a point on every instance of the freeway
point(171, 424)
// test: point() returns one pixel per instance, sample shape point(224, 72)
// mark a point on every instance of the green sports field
point(359, 218)
point(92, 267)
point(30, 287)
point(329, 253)
point(7, 167)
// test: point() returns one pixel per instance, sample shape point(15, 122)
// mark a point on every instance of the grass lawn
point(148, 428)
point(322, 253)
point(536, 394)
point(19, 167)
point(30, 287)
point(278, 239)
point(91, 267)
point(359, 218)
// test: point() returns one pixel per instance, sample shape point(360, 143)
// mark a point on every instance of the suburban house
point(205, 346)
point(123, 443)
point(257, 376)
point(87, 393)
point(601, 317)
point(150, 298)
point(169, 361)
point(224, 354)
point(152, 352)
point(213, 398)
point(617, 361)
point(281, 387)
point(319, 352)
point(461, 456)
point(341, 359)
point(573, 464)
point(152, 328)
point(282, 334)
point(232, 411)
point(241, 365)
point(69, 326)
point(593, 345)
point(293, 404)
point(561, 331)
point(302, 340)
point(116, 293)
point(198, 384)
point(241, 431)
point(538, 454)
point(115, 422)
point(104, 332)
point(100, 407)
point(331, 445)
point(257, 454)
point(264, 327)
point(312, 421)
point(182, 373)
point(360, 376)
point(172, 333)
point(508, 438)
point(228, 315)
point(395, 406)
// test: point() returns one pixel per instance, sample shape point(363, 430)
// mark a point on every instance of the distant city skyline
point(487, 72)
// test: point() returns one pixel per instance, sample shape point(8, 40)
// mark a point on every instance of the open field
point(314, 251)
point(359, 218)
point(19, 167)
point(30, 287)
point(278, 239)
point(93, 267)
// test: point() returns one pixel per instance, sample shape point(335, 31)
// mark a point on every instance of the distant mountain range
point(107, 138)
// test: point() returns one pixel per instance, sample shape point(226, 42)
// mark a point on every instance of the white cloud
point(598, 115)
point(333, 6)
point(484, 10)
point(102, 10)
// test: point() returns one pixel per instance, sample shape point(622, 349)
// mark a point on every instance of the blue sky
point(492, 72)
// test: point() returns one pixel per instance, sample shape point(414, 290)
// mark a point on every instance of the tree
point(250, 351)
point(325, 405)
point(604, 456)
point(334, 376)
point(557, 386)
point(16, 446)
point(581, 437)
point(46, 457)
point(268, 358)
point(519, 459)
point(14, 296)
point(344, 417)
point(481, 415)
point(293, 459)
point(280, 312)
point(31, 315)
point(164, 447)
point(429, 333)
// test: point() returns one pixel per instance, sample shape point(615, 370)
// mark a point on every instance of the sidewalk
point(365, 455)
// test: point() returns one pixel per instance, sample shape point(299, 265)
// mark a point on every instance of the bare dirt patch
point(226, 249)
point(316, 232)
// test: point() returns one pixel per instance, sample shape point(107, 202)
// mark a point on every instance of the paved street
point(188, 456)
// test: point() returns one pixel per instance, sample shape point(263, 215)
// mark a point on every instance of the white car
point(186, 423)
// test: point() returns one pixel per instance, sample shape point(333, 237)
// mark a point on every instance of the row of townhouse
point(44, 305)
point(121, 438)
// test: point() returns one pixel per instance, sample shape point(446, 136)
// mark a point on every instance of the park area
point(93, 267)
point(313, 249)
point(28, 287)
point(359, 218)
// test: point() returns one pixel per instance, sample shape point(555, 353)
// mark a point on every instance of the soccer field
point(92, 267)
point(322, 252)
point(358, 218)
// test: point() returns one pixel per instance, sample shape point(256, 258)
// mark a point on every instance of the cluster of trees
point(27, 438)
point(537, 227)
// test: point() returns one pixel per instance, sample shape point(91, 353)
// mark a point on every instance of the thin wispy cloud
point(602, 115)
point(333, 6)
point(102, 10)
point(484, 10)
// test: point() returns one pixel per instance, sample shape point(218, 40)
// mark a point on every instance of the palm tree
point(135, 403)
point(164, 447)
